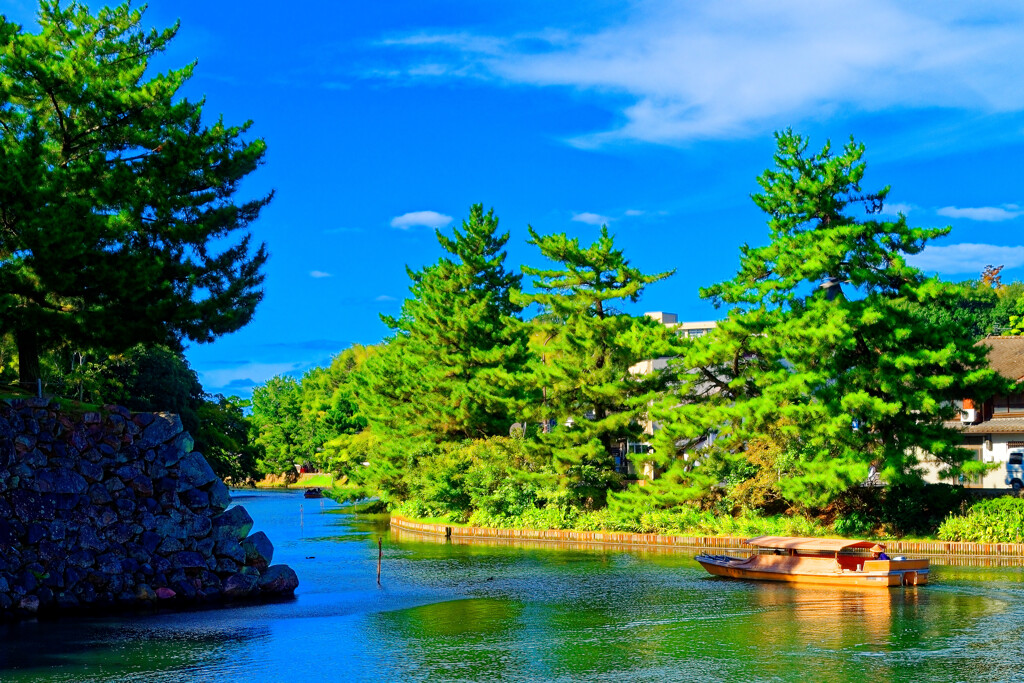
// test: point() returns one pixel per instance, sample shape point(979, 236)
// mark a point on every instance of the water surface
point(498, 612)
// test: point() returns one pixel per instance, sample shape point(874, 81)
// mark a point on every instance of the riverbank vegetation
point(524, 400)
point(999, 520)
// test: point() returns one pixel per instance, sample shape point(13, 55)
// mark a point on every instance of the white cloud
point(635, 212)
point(966, 258)
point(895, 209)
point(319, 274)
point(256, 372)
point(429, 219)
point(463, 41)
point(983, 213)
point(591, 218)
point(385, 297)
point(696, 70)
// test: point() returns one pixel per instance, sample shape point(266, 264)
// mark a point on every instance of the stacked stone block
point(112, 510)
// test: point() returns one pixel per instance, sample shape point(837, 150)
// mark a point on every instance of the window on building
point(1008, 405)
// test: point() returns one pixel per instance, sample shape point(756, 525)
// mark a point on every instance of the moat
point(484, 612)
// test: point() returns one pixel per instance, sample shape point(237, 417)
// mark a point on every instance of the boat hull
point(818, 571)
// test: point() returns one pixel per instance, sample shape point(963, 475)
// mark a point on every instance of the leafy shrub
point(856, 523)
point(896, 511)
point(414, 509)
point(998, 520)
point(504, 479)
point(919, 510)
point(683, 520)
point(495, 477)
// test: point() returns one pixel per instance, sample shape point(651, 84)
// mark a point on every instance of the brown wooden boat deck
point(817, 561)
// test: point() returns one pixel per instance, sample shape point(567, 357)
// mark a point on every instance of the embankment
point(1010, 551)
point(110, 510)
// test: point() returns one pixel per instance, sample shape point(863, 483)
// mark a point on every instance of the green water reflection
point(493, 612)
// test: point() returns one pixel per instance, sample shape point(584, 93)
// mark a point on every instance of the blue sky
point(385, 120)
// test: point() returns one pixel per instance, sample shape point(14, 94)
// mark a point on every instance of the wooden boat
point(823, 561)
point(314, 493)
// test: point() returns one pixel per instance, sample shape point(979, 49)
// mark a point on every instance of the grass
point(323, 480)
point(67, 405)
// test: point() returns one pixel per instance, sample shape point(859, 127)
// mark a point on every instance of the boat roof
point(798, 543)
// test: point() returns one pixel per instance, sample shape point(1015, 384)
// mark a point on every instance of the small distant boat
point(822, 561)
point(314, 493)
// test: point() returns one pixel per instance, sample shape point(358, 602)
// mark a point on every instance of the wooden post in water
point(380, 556)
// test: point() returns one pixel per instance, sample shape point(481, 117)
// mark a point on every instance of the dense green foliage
point(305, 421)
point(496, 476)
point(224, 439)
point(913, 509)
point(451, 370)
point(152, 379)
point(685, 520)
point(836, 359)
point(982, 307)
point(584, 347)
point(119, 224)
point(998, 520)
point(840, 380)
point(276, 420)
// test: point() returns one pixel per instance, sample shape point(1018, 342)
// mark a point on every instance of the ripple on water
point(465, 612)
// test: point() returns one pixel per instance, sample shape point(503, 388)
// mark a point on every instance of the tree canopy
point(451, 369)
point(825, 345)
point(118, 217)
point(583, 347)
point(277, 425)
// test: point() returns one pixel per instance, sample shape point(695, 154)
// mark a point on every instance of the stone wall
point(109, 510)
point(1012, 551)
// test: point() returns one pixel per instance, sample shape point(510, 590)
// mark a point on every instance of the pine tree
point(452, 369)
point(827, 347)
point(117, 219)
point(585, 347)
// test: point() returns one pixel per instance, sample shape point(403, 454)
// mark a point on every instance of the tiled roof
point(1006, 356)
point(999, 425)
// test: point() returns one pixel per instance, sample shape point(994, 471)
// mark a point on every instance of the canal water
point(484, 613)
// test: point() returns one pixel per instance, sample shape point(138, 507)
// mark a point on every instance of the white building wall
point(995, 449)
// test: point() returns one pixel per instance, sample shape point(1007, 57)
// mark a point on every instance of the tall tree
point(276, 418)
point(118, 223)
point(826, 348)
point(327, 404)
point(585, 347)
point(451, 370)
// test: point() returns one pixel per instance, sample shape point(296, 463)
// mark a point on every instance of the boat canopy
point(832, 545)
